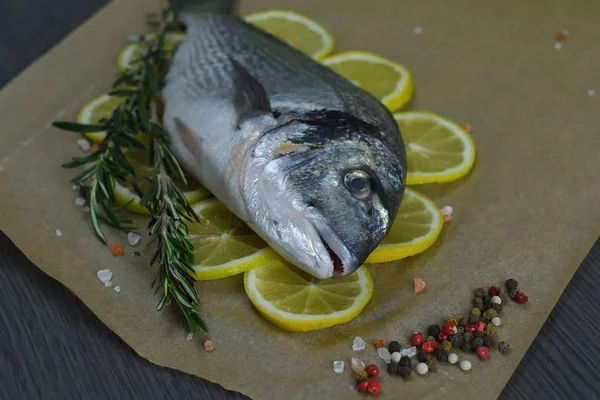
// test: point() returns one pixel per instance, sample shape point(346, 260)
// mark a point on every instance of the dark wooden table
point(53, 347)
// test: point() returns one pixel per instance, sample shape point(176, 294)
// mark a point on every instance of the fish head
point(324, 192)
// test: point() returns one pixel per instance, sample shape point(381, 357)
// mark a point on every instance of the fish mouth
point(343, 261)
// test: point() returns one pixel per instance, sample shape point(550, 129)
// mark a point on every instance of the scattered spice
point(431, 364)
point(79, 201)
point(473, 319)
point(374, 387)
point(58, 233)
point(480, 326)
point(357, 365)
point(377, 343)
point(503, 347)
point(468, 337)
point(362, 386)
point(490, 330)
point(442, 355)
point(560, 37)
point(108, 284)
point(446, 345)
point(434, 330)
point(430, 346)
point(133, 239)
point(488, 341)
point(422, 368)
point(591, 92)
point(452, 358)
point(84, 144)
point(482, 352)
point(470, 328)
point(443, 336)
point(422, 356)
point(428, 338)
point(452, 320)
point(190, 336)
point(479, 292)
point(418, 30)
point(410, 352)
point(477, 342)
point(478, 334)
point(394, 346)
point(521, 298)
point(465, 365)
point(361, 376)
point(490, 313)
point(494, 291)
point(467, 346)
point(467, 127)
point(447, 219)
point(419, 285)
point(496, 321)
point(457, 341)
point(393, 366)
point(105, 275)
point(396, 356)
point(210, 347)
point(476, 311)
point(460, 329)
point(416, 339)
point(117, 289)
point(497, 307)
point(512, 293)
point(116, 249)
point(372, 370)
point(486, 301)
point(384, 354)
point(478, 303)
point(449, 328)
point(496, 300)
point(511, 284)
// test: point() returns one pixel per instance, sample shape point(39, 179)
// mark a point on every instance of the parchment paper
point(529, 210)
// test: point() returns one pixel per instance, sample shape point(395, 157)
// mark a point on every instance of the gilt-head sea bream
point(313, 164)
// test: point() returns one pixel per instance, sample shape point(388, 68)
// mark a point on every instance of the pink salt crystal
point(447, 218)
point(209, 346)
point(419, 285)
point(357, 365)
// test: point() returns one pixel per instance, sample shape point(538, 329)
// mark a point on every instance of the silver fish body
point(313, 164)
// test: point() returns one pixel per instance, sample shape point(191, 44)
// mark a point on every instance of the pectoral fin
point(250, 98)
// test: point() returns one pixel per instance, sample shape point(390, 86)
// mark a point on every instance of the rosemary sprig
point(140, 87)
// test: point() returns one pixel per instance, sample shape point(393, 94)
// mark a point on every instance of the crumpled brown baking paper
point(529, 210)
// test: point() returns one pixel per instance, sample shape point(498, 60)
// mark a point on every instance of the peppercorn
point(463, 322)
point(483, 319)
point(456, 340)
point(392, 367)
point(442, 336)
point(428, 338)
point(478, 334)
point(404, 371)
point(489, 314)
point(488, 341)
point(478, 303)
point(496, 300)
point(394, 347)
point(442, 355)
point(521, 298)
point(477, 342)
point(497, 307)
point(362, 376)
point(422, 356)
point(473, 319)
point(479, 292)
point(434, 330)
point(430, 346)
point(405, 361)
point(511, 284)
point(378, 343)
point(460, 330)
point(451, 320)
point(446, 345)
point(503, 347)
point(431, 364)
point(416, 339)
point(476, 311)
point(470, 328)
point(374, 387)
point(486, 300)
point(372, 370)
point(449, 328)
point(512, 292)
point(467, 346)
point(480, 326)
point(362, 386)
point(482, 352)
point(468, 337)
point(494, 291)
point(490, 330)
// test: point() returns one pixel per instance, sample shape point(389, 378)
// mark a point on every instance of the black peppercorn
point(503, 347)
point(434, 330)
point(478, 303)
point(394, 347)
point(486, 300)
point(405, 361)
point(484, 319)
point(467, 346)
point(479, 292)
point(478, 334)
point(442, 356)
point(392, 367)
point(511, 293)
point(422, 356)
point(460, 329)
point(488, 341)
point(497, 307)
point(477, 342)
point(463, 322)
point(468, 337)
point(473, 319)
point(404, 371)
point(457, 340)
point(511, 284)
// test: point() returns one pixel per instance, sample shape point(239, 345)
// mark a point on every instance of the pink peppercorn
point(470, 328)
point(416, 339)
point(521, 298)
point(480, 326)
point(482, 352)
point(430, 346)
point(494, 291)
point(449, 328)
point(442, 336)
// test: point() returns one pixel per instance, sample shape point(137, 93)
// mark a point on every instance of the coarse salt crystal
point(79, 201)
point(357, 365)
point(409, 352)
point(338, 367)
point(105, 275)
point(85, 209)
point(117, 289)
point(384, 354)
point(108, 284)
point(565, 32)
point(358, 344)
point(418, 30)
point(133, 238)
point(591, 92)
point(75, 188)
point(58, 233)
point(190, 336)
point(84, 144)
point(557, 45)
point(447, 210)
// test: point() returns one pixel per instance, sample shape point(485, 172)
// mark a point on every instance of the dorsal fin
point(249, 97)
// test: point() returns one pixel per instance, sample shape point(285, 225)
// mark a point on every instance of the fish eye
point(358, 183)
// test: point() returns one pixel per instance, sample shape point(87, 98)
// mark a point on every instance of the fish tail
point(188, 10)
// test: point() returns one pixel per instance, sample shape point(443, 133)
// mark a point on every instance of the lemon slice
point(417, 226)
point(134, 50)
point(98, 108)
point(223, 244)
point(295, 29)
point(390, 82)
point(437, 149)
point(297, 301)
point(125, 195)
